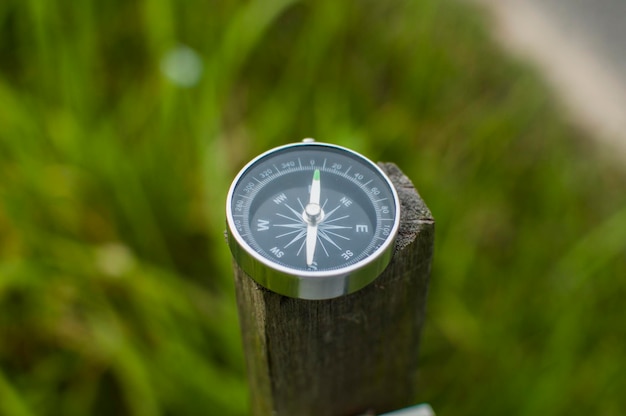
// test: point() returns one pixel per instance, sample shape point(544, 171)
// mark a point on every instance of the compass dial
point(311, 212)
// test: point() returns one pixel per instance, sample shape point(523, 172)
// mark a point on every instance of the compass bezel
point(310, 284)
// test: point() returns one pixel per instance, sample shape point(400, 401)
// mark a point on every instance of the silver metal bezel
point(310, 284)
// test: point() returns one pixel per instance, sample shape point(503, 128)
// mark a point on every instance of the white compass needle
point(311, 239)
point(315, 188)
point(312, 213)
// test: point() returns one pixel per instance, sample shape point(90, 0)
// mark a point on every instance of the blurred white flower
point(182, 65)
point(114, 259)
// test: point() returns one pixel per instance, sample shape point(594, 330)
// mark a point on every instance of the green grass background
point(115, 283)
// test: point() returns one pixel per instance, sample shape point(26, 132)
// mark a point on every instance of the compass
point(312, 220)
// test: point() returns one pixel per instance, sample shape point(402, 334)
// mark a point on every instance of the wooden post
point(349, 355)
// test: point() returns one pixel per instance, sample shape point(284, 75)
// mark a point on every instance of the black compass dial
point(313, 207)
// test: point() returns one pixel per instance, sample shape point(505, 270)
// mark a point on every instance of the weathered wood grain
point(349, 355)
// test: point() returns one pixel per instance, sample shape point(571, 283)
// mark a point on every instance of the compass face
point(312, 210)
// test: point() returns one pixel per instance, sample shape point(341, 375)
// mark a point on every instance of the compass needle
point(315, 188)
point(312, 214)
point(288, 206)
point(311, 239)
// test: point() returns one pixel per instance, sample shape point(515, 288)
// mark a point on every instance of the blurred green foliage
point(115, 285)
